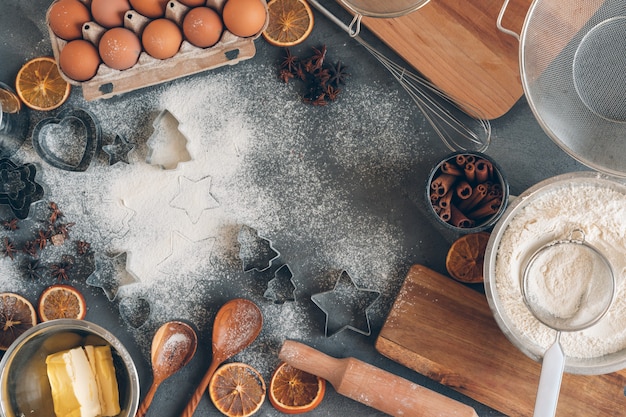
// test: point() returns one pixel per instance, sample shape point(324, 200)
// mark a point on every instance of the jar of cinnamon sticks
point(467, 191)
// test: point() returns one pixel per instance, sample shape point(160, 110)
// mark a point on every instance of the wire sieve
point(384, 9)
point(568, 285)
point(459, 130)
point(573, 71)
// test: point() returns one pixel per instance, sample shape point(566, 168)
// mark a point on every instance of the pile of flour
point(599, 211)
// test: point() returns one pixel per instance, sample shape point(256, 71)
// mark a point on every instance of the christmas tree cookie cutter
point(167, 146)
point(18, 187)
point(282, 287)
point(255, 251)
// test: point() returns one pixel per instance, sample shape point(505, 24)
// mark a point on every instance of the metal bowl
point(524, 341)
point(23, 380)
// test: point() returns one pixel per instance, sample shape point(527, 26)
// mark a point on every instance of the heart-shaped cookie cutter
point(93, 138)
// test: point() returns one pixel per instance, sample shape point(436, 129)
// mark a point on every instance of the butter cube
point(83, 382)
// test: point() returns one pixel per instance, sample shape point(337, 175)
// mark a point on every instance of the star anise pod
point(60, 270)
point(338, 74)
point(318, 57)
point(285, 75)
point(9, 248)
point(31, 248)
point(290, 61)
point(55, 212)
point(10, 225)
point(332, 92)
point(64, 229)
point(42, 239)
point(82, 247)
point(33, 268)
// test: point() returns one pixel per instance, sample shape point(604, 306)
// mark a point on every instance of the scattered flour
point(314, 190)
point(600, 212)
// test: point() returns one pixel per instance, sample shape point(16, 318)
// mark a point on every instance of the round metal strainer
point(384, 9)
point(573, 70)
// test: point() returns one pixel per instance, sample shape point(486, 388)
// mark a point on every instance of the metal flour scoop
point(568, 285)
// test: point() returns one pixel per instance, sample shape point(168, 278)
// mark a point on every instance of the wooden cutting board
point(446, 331)
point(456, 45)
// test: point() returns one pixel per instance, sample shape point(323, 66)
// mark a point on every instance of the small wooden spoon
point(173, 346)
point(237, 324)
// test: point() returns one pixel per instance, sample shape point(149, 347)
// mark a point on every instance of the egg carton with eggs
point(147, 71)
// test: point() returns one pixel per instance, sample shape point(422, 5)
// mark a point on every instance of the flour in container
point(600, 212)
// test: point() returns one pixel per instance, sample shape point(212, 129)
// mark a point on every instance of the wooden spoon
point(236, 325)
point(173, 346)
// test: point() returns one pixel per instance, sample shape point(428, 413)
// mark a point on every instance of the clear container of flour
point(549, 211)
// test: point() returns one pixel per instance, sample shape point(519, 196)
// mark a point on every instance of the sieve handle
point(353, 29)
point(550, 380)
point(499, 22)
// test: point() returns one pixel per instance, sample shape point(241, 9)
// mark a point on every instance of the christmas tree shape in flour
point(167, 146)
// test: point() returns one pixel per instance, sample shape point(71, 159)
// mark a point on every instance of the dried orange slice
point(290, 22)
point(40, 86)
point(9, 102)
point(17, 315)
point(466, 257)
point(293, 391)
point(61, 301)
point(237, 390)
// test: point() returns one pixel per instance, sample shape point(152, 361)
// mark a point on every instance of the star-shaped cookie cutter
point(346, 306)
point(118, 150)
point(111, 274)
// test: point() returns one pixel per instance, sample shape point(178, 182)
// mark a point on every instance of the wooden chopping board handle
point(373, 386)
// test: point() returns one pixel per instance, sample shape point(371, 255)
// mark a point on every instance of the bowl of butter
point(68, 367)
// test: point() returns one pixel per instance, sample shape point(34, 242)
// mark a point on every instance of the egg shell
point(119, 48)
point(202, 27)
point(244, 17)
point(192, 3)
point(66, 18)
point(79, 60)
point(109, 13)
point(150, 8)
point(161, 38)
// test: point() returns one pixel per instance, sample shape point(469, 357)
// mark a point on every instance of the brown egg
point(119, 48)
point(79, 60)
point(202, 27)
point(192, 3)
point(161, 38)
point(244, 17)
point(150, 8)
point(66, 18)
point(109, 13)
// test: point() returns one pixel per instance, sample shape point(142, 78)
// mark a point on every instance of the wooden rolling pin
point(373, 386)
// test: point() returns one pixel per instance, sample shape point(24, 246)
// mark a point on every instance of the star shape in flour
point(346, 306)
point(111, 274)
point(186, 255)
point(194, 197)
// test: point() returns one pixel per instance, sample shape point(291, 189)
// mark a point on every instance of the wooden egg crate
point(109, 82)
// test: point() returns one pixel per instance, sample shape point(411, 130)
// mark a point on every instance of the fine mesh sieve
point(573, 71)
point(384, 9)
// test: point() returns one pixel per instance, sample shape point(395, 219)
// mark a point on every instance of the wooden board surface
point(457, 46)
point(446, 331)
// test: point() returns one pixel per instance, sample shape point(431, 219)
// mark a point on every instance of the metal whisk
point(459, 130)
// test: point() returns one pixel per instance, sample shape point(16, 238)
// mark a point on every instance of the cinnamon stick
point(484, 170)
point(478, 193)
point(451, 168)
point(470, 172)
point(442, 184)
point(458, 219)
point(463, 190)
point(486, 209)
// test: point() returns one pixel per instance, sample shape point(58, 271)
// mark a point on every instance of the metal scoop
point(582, 280)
